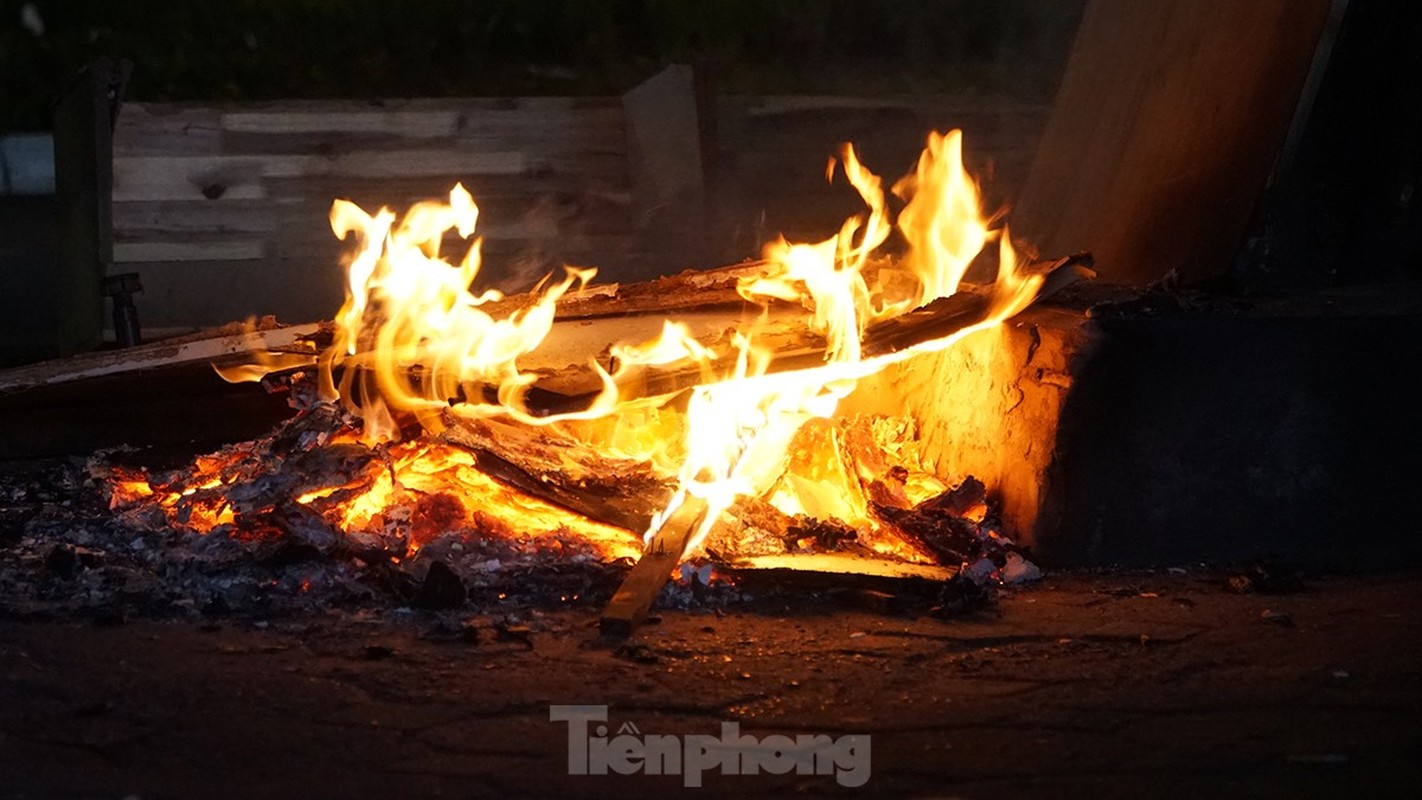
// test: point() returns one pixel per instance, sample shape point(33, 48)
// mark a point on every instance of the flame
point(412, 336)
point(422, 470)
point(414, 340)
point(267, 363)
point(419, 491)
point(740, 430)
point(943, 220)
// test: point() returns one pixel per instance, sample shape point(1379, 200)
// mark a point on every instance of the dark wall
point(1224, 432)
point(1345, 208)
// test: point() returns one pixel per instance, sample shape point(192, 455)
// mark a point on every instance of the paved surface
point(1099, 685)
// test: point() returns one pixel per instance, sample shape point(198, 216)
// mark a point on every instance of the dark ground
point(1102, 685)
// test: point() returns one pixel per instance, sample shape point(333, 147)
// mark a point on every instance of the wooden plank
point(154, 129)
point(296, 126)
point(598, 181)
point(796, 348)
point(429, 124)
point(161, 219)
point(175, 231)
point(555, 143)
point(212, 178)
point(1167, 123)
point(165, 251)
point(634, 598)
point(189, 350)
point(240, 177)
point(393, 163)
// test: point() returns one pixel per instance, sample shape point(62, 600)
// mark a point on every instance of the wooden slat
point(166, 130)
point(212, 178)
point(416, 124)
point(162, 219)
point(151, 356)
point(1164, 131)
point(160, 251)
point(240, 177)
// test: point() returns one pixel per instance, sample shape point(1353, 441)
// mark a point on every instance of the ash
point(64, 553)
point(72, 544)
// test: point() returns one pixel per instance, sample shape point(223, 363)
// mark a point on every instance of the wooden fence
point(223, 211)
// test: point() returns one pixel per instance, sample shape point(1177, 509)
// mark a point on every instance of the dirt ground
point(1101, 685)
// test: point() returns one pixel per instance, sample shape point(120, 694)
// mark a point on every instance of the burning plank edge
point(634, 598)
point(689, 289)
point(575, 385)
point(208, 347)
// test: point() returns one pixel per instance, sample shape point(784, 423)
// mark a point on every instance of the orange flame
point(413, 335)
point(739, 430)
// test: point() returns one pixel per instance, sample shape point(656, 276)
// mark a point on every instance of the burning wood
point(664, 551)
point(546, 418)
point(563, 470)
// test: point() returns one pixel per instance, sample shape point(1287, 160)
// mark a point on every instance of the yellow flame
point(413, 335)
point(739, 431)
point(943, 220)
point(266, 364)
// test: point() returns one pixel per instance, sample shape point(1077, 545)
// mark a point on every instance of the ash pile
point(308, 518)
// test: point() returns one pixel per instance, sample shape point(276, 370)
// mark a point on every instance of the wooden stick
point(635, 596)
point(215, 347)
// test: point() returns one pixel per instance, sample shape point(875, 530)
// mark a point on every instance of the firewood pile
point(272, 526)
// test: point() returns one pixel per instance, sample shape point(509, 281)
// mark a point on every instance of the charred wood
point(565, 471)
point(798, 348)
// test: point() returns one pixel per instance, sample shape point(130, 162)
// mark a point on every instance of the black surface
point(1219, 434)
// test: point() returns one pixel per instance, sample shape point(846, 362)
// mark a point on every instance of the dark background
point(263, 49)
point(1342, 209)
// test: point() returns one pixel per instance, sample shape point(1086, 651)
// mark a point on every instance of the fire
point(415, 342)
point(412, 335)
point(410, 495)
point(943, 220)
point(740, 430)
point(438, 489)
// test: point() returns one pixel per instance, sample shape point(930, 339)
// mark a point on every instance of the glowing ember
point(394, 500)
